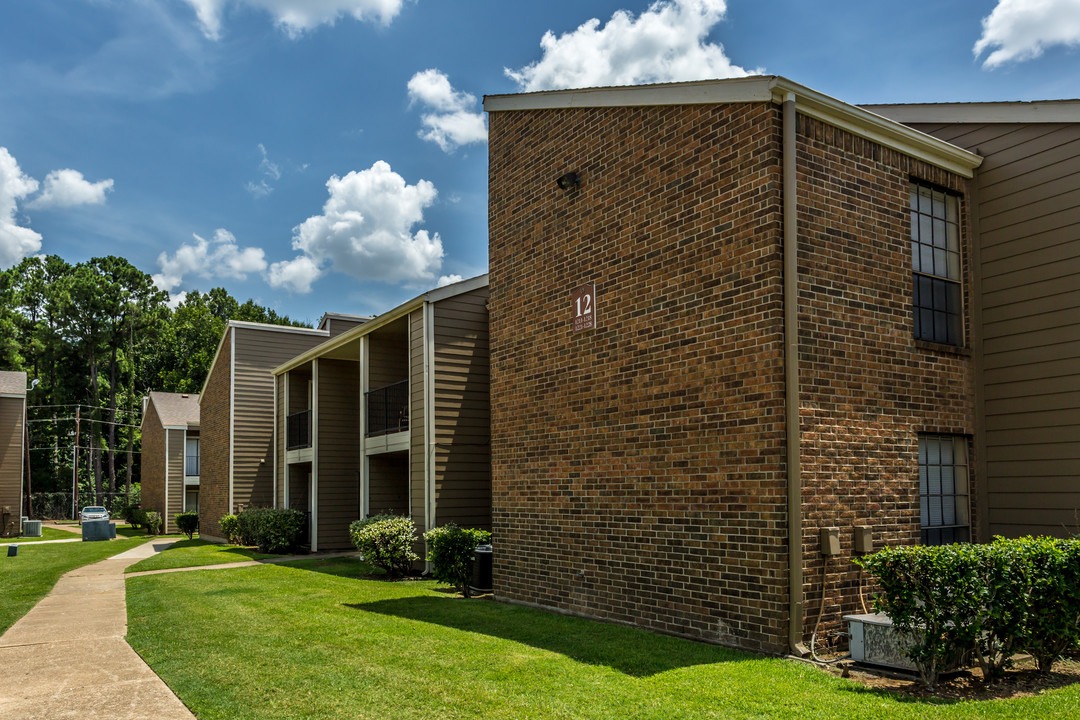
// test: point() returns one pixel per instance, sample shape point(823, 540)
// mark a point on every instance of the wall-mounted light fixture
point(568, 181)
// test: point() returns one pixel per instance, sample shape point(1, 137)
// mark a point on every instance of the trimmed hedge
point(187, 523)
point(386, 541)
point(450, 551)
point(986, 601)
point(230, 528)
point(273, 530)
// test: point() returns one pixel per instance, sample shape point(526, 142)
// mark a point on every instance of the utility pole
point(75, 466)
point(29, 494)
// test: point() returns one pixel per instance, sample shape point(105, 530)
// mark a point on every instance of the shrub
point(450, 550)
point(1053, 619)
point(230, 528)
point(136, 517)
point(153, 523)
point(245, 528)
point(273, 530)
point(386, 541)
point(187, 523)
point(987, 600)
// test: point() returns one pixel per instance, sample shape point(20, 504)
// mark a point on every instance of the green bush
point(1053, 618)
point(386, 541)
point(153, 523)
point(273, 530)
point(187, 523)
point(987, 601)
point(230, 528)
point(136, 517)
point(450, 551)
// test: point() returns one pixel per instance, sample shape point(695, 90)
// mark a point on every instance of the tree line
point(98, 336)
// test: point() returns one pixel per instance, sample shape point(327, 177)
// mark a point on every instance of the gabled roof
point(327, 317)
point(431, 296)
point(1037, 111)
point(175, 409)
point(269, 327)
point(12, 384)
point(763, 88)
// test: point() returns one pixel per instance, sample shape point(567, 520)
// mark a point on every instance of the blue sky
point(330, 155)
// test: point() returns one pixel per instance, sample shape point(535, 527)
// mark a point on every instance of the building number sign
point(583, 300)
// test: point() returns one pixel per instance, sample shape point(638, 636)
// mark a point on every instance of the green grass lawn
point(47, 533)
point(27, 578)
point(193, 553)
point(309, 640)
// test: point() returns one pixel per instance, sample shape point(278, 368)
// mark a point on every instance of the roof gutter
point(791, 381)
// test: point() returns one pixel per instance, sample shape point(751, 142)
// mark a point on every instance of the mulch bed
point(1022, 680)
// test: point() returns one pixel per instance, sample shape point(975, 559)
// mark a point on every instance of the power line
point(83, 419)
point(66, 448)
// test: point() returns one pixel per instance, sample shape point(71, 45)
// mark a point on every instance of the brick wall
point(867, 388)
point(214, 416)
point(152, 488)
point(638, 468)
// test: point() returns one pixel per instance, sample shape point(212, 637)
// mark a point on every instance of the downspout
point(791, 383)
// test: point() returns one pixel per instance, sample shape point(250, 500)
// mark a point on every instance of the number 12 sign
point(583, 300)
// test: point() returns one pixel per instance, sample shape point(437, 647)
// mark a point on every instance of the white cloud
point(176, 300)
point(1019, 30)
point(16, 241)
point(666, 43)
point(222, 258)
point(366, 231)
point(270, 172)
point(296, 17)
point(294, 275)
point(448, 280)
point(454, 119)
point(65, 188)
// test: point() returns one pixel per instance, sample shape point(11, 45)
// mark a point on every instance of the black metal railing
point(191, 466)
point(388, 409)
point(298, 430)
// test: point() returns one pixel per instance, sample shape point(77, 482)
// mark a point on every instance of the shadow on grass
point(628, 650)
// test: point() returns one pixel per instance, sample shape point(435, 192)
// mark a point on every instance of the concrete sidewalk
point(67, 657)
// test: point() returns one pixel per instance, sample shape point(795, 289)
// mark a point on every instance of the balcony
point(298, 430)
point(388, 409)
point(191, 466)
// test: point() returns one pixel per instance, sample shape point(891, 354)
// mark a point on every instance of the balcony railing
point(388, 409)
point(298, 430)
point(191, 466)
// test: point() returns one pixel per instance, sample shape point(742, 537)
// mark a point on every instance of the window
point(943, 489)
point(191, 464)
point(935, 259)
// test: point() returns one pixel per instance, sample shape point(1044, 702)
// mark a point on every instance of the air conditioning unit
point(874, 641)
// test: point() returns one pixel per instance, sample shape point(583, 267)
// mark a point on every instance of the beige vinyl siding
point(338, 451)
point(280, 465)
point(257, 353)
point(1028, 196)
point(462, 411)
point(11, 468)
point(388, 351)
point(388, 483)
point(174, 463)
point(417, 441)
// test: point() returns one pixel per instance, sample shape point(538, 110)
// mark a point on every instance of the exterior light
point(568, 181)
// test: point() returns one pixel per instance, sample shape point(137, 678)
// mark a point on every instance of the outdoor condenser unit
point(874, 641)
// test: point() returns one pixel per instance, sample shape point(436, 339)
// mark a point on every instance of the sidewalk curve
point(67, 657)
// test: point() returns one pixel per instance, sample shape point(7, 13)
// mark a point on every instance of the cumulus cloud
point(296, 17)
point(16, 241)
point(270, 172)
point(66, 188)
point(1019, 30)
point(448, 280)
point(366, 230)
point(666, 43)
point(221, 258)
point(453, 119)
point(296, 275)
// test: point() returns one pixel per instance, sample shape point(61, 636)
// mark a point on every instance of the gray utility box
point(874, 641)
point(98, 530)
point(31, 528)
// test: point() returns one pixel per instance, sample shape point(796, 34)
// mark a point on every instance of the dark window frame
point(937, 301)
point(944, 489)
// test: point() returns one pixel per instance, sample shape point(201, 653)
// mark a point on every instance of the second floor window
point(938, 298)
point(191, 461)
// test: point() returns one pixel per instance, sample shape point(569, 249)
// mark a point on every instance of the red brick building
point(664, 388)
